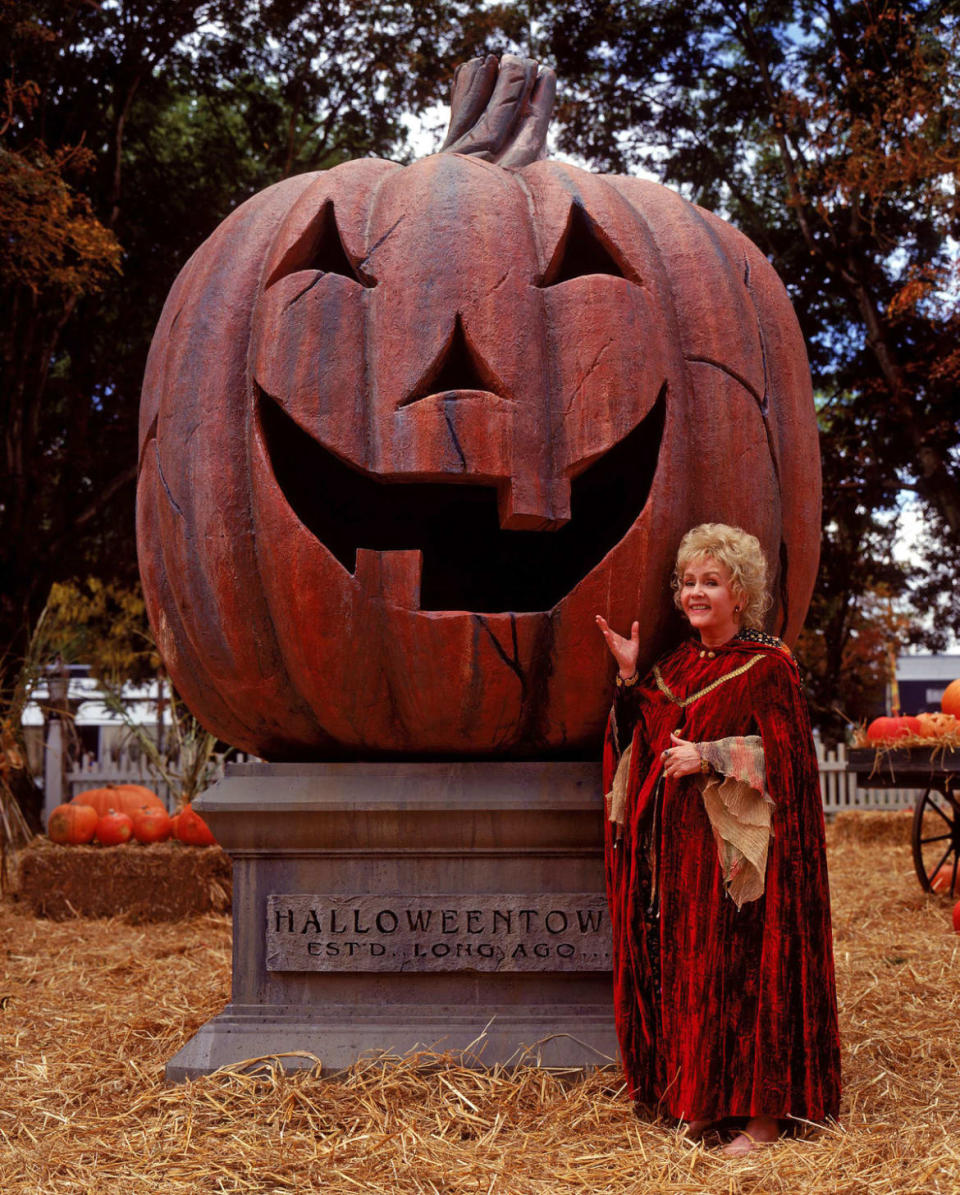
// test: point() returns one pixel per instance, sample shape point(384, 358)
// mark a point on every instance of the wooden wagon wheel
point(936, 836)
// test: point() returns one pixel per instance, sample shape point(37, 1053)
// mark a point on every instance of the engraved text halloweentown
point(486, 931)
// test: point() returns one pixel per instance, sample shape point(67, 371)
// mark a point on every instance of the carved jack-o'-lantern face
point(405, 430)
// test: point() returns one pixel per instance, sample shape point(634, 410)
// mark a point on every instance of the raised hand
point(625, 651)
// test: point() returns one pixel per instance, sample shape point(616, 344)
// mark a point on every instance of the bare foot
point(696, 1128)
point(760, 1130)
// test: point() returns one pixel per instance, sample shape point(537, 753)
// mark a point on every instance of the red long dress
point(721, 1012)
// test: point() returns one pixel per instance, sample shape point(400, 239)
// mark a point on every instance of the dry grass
point(892, 827)
point(93, 1009)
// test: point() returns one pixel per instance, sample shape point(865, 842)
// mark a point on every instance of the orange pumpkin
point(454, 409)
point(151, 825)
point(933, 726)
point(886, 730)
point(190, 828)
point(124, 798)
point(942, 878)
point(73, 823)
point(114, 828)
point(950, 701)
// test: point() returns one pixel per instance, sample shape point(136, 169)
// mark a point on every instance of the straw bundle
point(91, 1010)
point(892, 827)
point(165, 881)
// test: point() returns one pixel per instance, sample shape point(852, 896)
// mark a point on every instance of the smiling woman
point(716, 867)
point(445, 411)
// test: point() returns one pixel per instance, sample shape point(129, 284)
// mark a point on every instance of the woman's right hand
point(625, 651)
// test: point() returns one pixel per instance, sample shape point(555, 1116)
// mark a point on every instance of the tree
point(131, 129)
point(855, 625)
point(829, 132)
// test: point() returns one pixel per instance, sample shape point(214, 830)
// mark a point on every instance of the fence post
point(53, 768)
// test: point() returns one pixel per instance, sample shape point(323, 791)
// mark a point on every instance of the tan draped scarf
point(739, 807)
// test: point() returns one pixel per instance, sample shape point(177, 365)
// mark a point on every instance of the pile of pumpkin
point(924, 730)
point(118, 813)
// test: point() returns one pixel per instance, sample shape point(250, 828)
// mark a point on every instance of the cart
point(936, 818)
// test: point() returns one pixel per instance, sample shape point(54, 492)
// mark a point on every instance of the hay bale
point(893, 826)
point(164, 881)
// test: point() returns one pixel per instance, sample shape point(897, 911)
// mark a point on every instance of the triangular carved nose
point(457, 367)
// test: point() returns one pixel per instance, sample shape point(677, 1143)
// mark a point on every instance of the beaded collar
point(746, 635)
point(751, 635)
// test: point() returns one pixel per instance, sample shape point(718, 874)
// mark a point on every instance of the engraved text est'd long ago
point(438, 932)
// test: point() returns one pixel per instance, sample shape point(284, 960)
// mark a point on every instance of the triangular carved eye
point(320, 248)
point(582, 250)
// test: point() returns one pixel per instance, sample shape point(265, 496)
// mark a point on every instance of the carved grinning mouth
point(469, 562)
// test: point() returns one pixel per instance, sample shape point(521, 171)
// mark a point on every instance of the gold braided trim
point(683, 702)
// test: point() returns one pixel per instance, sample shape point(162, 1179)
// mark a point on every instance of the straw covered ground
point(91, 1010)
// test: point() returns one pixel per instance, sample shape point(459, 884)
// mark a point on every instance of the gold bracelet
point(629, 682)
point(705, 767)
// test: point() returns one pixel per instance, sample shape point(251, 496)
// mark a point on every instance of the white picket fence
point(840, 789)
point(125, 769)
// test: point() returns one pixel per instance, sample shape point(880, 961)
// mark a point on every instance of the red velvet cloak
point(721, 1012)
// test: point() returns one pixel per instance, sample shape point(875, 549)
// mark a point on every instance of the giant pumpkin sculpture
point(406, 429)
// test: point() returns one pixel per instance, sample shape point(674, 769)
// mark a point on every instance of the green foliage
point(49, 238)
point(102, 624)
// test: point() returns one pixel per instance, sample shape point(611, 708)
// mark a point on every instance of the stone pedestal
point(390, 907)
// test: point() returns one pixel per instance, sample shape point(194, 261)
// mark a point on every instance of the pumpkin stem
point(500, 110)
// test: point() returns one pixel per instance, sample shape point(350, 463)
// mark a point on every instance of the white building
point(103, 734)
point(922, 679)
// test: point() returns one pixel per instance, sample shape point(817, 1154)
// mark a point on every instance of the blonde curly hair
point(739, 552)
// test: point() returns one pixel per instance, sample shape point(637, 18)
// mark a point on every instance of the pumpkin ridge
point(197, 684)
point(227, 651)
point(720, 235)
point(732, 242)
point(696, 359)
point(779, 582)
point(714, 230)
point(151, 434)
point(163, 481)
point(155, 369)
point(523, 184)
point(298, 707)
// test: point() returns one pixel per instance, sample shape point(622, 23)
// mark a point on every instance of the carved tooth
point(395, 575)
